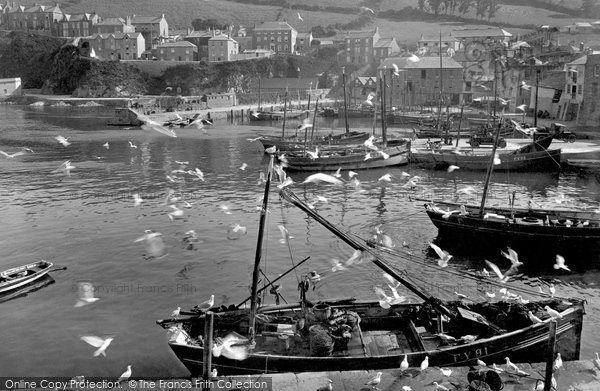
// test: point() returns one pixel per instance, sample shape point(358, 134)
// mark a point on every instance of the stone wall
point(589, 113)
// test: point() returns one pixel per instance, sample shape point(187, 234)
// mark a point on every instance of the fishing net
point(321, 344)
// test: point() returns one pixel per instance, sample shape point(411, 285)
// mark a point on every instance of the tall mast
point(258, 92)
point(284, 113)
point(495, 91)
point(488, 174)
point(441, 86)
point(345, 104)
point(256, 271)
point(382, 99)
point(537, 82)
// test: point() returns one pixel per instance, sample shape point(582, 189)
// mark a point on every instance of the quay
point(574, 375)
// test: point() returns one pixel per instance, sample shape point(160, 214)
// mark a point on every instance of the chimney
point(581, 47)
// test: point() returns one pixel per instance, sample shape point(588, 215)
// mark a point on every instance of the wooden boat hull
point(548, 160)
point(584, 164)
point(21, 276)
point(527, 344)
point(351, 159)
point(529, 234)
point(297, 143)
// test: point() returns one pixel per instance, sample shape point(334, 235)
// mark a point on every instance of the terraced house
point(222, 48)
point(177, 51)
point(36, 17)
point(279, 37)
point(114, 46)
point(77, 25)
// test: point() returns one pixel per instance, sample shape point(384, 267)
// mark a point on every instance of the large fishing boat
point(346, 334)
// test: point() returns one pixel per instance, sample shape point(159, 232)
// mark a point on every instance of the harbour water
point(87, 222)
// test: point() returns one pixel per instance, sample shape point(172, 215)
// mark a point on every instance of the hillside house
point(429, 44)
point(303, 42)
point(549, 94)
point(222, 48)
point(485, 37)
point(360, 46)
point(384, 48)
point(113, 46)
point(114, 25)
point(77, 25)
point(10, 86)
point(253, 54)
point(155, 29)
point(418, 83)
point(200, 39)
point(177, 51)
point(360, 89)
point(279, 37)
point(35, 17)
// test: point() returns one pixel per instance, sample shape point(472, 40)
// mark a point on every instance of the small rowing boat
point(20, 276)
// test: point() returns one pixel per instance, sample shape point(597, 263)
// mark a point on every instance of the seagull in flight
point(300, 17)
point(305, 124)
point(63, 141)
point(337, 265)
point(106, 145)
point(512, 256)
point(367, 9)
point(452, 168)
point(560, 263)
point(12, 155)
point(386, 177)
point(153, 125)
point(496, 269)
point(522, 107)
point(243, 166)
point(320, 177)
point(97, 342)
point(254, 139)
point(66, 167)
point(86, 294)
point(443, 255)
point(137, 200)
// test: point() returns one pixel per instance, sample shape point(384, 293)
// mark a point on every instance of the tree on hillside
point(205, 24)
point(435, 6)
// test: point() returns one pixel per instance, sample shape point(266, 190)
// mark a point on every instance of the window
point(272, 39)
point(286, 39)
point(278, 48)
point(423, 74)
point(285, 47)
point(597, 70)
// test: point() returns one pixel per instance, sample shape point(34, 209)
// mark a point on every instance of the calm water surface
point(87, 222)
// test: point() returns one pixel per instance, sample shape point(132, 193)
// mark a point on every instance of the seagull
point(446, 372)
point(149, 124)
point(132, 145)
point(231, 347)
point(481, 363)
point(176, 214)
point(183, 163)
point(496, 269)
point(406, 388)
point(125, 375)
point(553, 313)
point(105, 145)
point(320, 177)
point(413, 58)
point(197, 173)
point(397, 299)
point(512, 256)
point(375, 380)
point(425, 363)
point(404, 363)
point(468, 338)
point(66, 167)
point(288, 181)
point(367, 9)
point(368, 156)
point(369, 143)
point(552, 290)
point(497, 160)
point(175, 313)
point(560, 263)
point(452, 168)
point(524, 85)
point(384, 300)
point(522, 107)
point(396, 70)
point(337, 265)
point(558, 363)
point(305, 124)
point(597, 361)
point(97, 342)
point(386, 177)
point(510, 366)
point(369, 100)
point(443, 255)
point(300, 17)
point(137, 200)
point(62, 140)
point(155, 247)
point(213, 373)
point(86, 294)
point(285, 234)
point(271, 149)
point(206, 305)
point(497, 368)
point(313, 155)
point(254, 139)
point(10, 156)
point(243, 166)
point(491, 295)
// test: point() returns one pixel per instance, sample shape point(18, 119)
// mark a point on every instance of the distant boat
point(585, 164)
point(351, 157)
point(124, 117)
point(296, 143)
point(20, 276)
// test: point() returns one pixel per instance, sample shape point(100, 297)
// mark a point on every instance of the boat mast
point(284, 113)
point(441, 87)
point(490, 168)
point(345, 104)
point(259, 92)
point(256, 271)
point(537, 85)
point(382, 99)
point(495, 92)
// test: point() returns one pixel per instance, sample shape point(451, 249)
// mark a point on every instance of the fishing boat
point(537, 234)
point(584, 164)
point(20, 276)
point(124, 116)
point(298, 143)
point(347, 334)
point(534, 156)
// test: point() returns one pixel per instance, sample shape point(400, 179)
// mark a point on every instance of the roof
point(325, 41)
point(580, 61)
point(555, 80)
point(489, 32)
point(274, 26)
point(111, 22)
point(113, 35)
point(146, 19)
point(423, 63)
point(291, 82)
point(583, 24)
point(364, 80)
point(177, 44)
point(436, 38)
point(304, 35)
point(360, 34)
point(77, 17)
point(384, 42)
point(221, 37)
point(200, 34)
